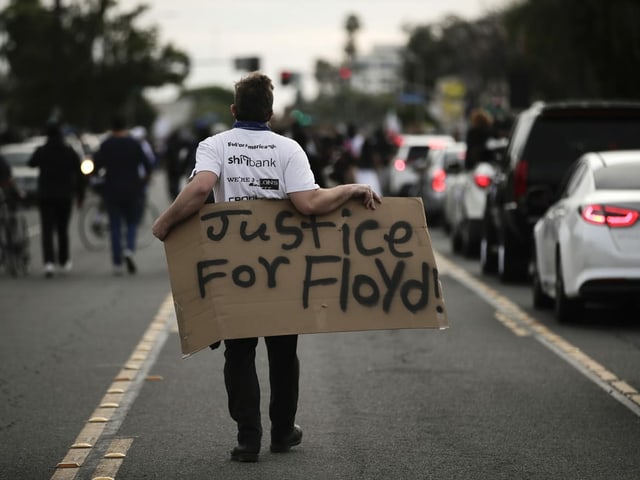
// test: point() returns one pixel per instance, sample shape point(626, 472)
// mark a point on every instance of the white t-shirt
point(252, 164)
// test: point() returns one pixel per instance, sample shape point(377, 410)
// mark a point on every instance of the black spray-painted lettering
point(399, 232)
point(271, 269)
point(346, 231)
point(364, 289)
point(285, 230)
point(314, 225)
point(203, 279)
point(260, 232)
point(392, 240)
point(237, 273)
point(243, 276)
point(224, 216)
point(366, 225)
point(421, 286)
point(308, 283)
point(387, 283)
point(391, 282)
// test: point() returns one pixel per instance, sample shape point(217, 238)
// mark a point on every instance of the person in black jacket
point(59, 181)
point(127, 169)
point(480, 130)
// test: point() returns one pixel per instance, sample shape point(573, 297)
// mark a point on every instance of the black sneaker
point(284, 444)
point(131, 266)
point(245, 453)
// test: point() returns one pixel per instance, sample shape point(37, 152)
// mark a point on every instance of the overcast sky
point(288, 34)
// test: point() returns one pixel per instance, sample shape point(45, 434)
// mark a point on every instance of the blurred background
point(406, 66)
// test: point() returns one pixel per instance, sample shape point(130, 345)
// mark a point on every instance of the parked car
point(401, 176)
point(18, 155)
point(545, 140)
point(26, 178)
point(434, 181)
point(414, 172)
point(587, 243)
point(465, 198)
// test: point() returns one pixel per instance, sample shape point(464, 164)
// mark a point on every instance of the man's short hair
point(254, 98)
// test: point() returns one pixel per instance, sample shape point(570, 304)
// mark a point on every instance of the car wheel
point(512, 262)
point(456, 243)
point(470, 238)
point(488, 256)
point(540, 299)
point(446, 226)
point(566, 309)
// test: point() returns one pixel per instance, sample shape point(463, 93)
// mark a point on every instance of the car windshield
point(625, 176)
point(555, 143)
point(416, 153)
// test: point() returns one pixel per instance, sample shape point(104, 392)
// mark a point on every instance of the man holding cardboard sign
point(251, 162)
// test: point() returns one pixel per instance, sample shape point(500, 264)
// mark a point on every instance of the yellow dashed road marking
point(523, 325)
point(106, 419)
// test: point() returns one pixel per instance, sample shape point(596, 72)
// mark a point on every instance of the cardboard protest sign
point(258, 268)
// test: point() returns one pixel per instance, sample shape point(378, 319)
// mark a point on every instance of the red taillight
point(438, 183)
point(520, 180)
point(483, 181)
point(607, 215)
point(399, 165)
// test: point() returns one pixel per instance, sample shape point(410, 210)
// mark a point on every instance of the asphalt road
point(504, 393)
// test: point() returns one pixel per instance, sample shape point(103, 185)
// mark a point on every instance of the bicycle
point(15, 254)
point(93, 224)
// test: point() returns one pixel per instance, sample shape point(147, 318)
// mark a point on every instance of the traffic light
point(344, 73)
point(249, 64)
point(285, 77)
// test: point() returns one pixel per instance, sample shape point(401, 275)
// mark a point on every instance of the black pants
point(243, 388)
point(55, 214)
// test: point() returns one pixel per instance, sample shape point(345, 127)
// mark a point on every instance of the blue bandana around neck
point(250, 125)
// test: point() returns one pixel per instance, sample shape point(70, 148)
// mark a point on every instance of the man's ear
point(233, 109)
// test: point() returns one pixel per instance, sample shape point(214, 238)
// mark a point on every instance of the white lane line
point(93, 442)
point(523, 325)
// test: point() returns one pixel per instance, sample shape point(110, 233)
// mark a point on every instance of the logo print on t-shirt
point(250, 162)
point(267, 184)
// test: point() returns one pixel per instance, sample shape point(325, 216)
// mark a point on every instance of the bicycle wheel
point(23, 253)
point(93, 226)
point(149, 215)
point(13, 246)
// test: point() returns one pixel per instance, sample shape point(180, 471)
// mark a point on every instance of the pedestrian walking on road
point(480, 130)
point(60, 181)
point(127, 171)
point(289, 176)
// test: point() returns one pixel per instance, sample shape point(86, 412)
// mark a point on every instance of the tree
point(475, 51)
point(84, 61)
point(590, 49)
point(352, 25)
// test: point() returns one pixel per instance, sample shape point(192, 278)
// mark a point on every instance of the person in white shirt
point(249, 161)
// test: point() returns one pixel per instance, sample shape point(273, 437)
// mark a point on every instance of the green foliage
point(474, 51)
point(85, 60)
point(579, 48)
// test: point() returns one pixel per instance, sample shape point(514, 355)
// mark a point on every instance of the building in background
point(379, 71)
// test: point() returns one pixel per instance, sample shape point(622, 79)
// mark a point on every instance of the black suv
point(544, 141)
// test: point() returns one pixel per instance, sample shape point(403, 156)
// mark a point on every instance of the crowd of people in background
point(343, 154)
